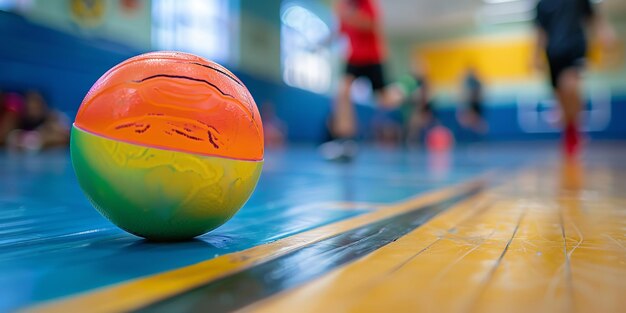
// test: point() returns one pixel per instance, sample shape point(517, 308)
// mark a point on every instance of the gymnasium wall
point(63, 64)
point(518, 99)
point(260, 24)
point(126, 22)
point(60, 65)
point(260, 38)
point(50, 53)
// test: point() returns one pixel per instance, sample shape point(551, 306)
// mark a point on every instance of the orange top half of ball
point(176, 101)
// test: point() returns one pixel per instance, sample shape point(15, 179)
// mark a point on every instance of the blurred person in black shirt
point(561, 35)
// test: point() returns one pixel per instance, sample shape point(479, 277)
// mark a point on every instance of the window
point(305, 59)
point(16, 5)
point(202, 27)
point(6, 5)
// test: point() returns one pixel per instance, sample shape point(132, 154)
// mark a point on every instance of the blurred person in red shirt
point(360, 23)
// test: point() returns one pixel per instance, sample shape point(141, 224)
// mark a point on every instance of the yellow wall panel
point(496, 58)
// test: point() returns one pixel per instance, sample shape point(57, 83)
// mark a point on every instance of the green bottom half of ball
point(160, 194)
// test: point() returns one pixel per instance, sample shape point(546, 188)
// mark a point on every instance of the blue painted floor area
point(54, 244)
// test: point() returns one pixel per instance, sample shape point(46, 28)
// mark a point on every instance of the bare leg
point(55, 136)
point(344, 121)
point(8, 122)
point(390, 97)
point(568, 94)
point(54, 132)
point(415, 126)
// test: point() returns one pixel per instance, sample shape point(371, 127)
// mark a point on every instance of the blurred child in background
point(29, 124)
point(418, 111)
point(471, 115)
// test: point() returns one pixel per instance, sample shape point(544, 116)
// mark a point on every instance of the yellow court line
point(138, 293)
point(532, 247)
point(439, 267)
point(347, 286)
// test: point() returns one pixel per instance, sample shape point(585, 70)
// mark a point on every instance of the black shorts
point(560, 63)
point(373, 72)
point(476, 107)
